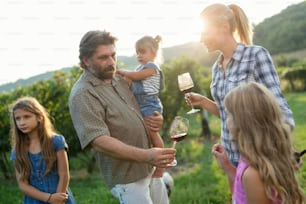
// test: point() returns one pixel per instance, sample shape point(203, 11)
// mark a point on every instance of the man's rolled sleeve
point(87, 120)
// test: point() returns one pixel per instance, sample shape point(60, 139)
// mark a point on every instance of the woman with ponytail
point(226, 29)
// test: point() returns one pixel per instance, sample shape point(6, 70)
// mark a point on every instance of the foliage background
point(198, 178)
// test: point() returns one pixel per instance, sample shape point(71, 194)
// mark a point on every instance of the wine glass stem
point(174, 162)
point(174, 144)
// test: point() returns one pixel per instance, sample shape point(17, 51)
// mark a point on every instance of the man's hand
point(161, 157)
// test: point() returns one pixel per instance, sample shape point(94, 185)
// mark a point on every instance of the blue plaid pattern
point(248, 63)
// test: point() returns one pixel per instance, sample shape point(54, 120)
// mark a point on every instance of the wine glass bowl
point(298, 155)
point(185, 84)
point(178, 131)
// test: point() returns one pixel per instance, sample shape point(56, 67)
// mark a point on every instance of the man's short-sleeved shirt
point(98, 108)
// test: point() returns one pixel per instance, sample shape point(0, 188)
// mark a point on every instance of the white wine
point(185, 84)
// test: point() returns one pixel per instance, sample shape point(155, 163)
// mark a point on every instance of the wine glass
point(185, 84)
point(178, 132)
point(298, 155)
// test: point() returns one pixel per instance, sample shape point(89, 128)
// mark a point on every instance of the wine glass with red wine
point(178, 131)
point(185, 84)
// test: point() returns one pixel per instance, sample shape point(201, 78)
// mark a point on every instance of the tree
point(53, 95)
point(296, 78)
point(173, 100)
point(284, 32)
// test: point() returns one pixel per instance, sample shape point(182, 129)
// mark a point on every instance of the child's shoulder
point(59, 142)
point(251, 175)
point(151, 65)
point(58, 138)
point(251, 178)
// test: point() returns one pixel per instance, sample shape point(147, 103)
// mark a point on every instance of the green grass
point(297, 103)
point(91, 189)
point(197, 178)
point(9, 192)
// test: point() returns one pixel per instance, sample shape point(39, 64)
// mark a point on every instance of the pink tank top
point(239, 196)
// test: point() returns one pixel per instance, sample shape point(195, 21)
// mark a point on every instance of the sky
point(43, 35)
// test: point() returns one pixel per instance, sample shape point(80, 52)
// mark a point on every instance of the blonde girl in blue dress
point(39, 155)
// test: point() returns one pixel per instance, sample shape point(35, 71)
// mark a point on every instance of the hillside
point(284, 32)
point(24, 82)
point(193, 49)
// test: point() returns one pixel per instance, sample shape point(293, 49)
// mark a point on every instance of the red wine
point(179, 137)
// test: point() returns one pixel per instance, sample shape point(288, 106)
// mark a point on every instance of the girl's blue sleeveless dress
point(46, 183)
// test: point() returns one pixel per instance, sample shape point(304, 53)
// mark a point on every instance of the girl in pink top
point(265, 173)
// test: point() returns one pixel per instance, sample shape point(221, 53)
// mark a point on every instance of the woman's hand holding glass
point(194, 99)
point(185, 84)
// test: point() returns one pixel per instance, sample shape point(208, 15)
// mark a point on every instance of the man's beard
point(105, 73)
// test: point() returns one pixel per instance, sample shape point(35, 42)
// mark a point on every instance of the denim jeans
point(148, 104)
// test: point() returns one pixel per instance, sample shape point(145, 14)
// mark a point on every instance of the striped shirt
point(248, 63)
point(151, 84)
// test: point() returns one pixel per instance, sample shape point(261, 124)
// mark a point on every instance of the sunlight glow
point(40, 36)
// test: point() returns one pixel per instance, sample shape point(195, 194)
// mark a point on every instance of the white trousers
point(145, 191)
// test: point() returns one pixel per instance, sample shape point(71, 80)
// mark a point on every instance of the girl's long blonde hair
point(263, 139)
point(20, 141)
point(239, 23)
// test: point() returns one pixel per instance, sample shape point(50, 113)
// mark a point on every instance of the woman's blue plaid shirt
point(248, 63)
